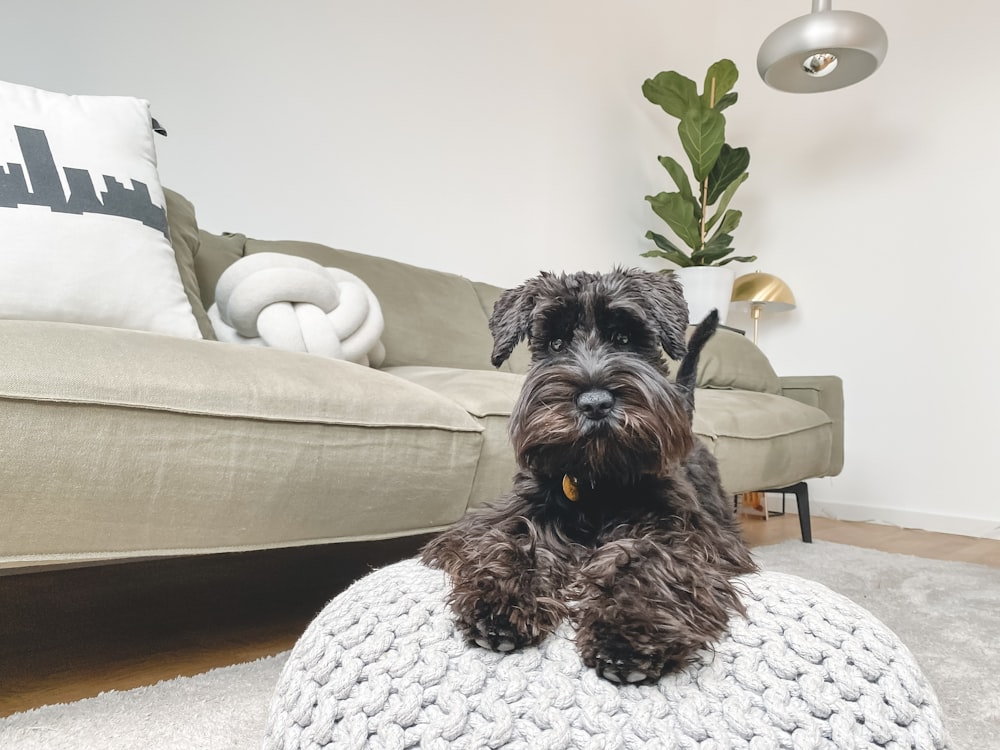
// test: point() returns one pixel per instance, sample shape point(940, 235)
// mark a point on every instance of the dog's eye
point(620, 338)
point(557, 345)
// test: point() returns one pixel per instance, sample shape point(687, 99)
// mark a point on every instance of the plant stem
point(704, 184)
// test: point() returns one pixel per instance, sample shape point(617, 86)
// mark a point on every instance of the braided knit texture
point(382, 666)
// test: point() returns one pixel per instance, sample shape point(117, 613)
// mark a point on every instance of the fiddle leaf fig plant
point(717, 169)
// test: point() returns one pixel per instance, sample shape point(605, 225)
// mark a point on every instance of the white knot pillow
point(288, 302)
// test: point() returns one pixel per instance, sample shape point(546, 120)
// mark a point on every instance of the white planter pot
point(707, 288)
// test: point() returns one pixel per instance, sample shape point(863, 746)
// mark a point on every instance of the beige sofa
point(118, 444)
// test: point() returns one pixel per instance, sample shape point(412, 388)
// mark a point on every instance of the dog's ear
point(664, 302)
point(511, 321)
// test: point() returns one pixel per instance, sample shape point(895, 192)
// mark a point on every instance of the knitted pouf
point(383, 666)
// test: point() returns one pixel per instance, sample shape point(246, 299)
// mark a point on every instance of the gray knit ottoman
point(382, 666)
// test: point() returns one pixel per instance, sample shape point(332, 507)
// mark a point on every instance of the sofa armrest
point(825, 392)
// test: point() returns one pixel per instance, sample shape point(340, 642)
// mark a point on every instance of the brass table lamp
point(758, 291)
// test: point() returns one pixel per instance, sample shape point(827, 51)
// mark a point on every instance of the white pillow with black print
point(83, 224)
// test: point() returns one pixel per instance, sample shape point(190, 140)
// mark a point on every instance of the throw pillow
point(83, 226)
point(731, 360)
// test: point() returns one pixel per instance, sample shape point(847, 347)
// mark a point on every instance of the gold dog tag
point(570, 489)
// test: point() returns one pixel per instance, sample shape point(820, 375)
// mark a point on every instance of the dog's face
point(596, 403)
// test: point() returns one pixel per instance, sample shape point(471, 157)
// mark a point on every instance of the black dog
point(617, 518)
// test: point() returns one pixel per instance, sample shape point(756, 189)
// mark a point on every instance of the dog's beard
point(645, 433)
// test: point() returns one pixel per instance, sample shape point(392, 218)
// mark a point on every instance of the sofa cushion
point(216, 252)
point(731, 360)
point(480, 392)
point(87, 242)
point(520, 358)
point(761, 440)
point(431, 317)
point(489, 397)
point(206, 446)
point(185, 240)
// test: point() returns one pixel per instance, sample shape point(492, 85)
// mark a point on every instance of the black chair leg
point(801, 492)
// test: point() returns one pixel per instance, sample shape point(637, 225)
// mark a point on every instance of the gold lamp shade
point(759, 291)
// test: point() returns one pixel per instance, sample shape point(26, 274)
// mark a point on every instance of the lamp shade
point(822, 51)
point(762, 290)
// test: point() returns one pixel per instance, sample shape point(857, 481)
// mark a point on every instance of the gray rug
point(947, 613)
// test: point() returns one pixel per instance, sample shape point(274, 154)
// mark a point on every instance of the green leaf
point(725, 74)
point(727, 196)
point(730, 221)
point(668, 250)
point(727, 101)
point(677, 211)
point(702, 132)
point(712, 257)
point(716, 248)
point(732, 162)
point(674, 93)
point(663, 243)
point(678, 175)
point(719, 239)
point(739, 259)
point(677, 258)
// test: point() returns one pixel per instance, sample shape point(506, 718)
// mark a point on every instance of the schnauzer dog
point(617, 519)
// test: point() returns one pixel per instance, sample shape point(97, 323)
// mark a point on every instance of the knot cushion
point(382, 666)
point(292, 303)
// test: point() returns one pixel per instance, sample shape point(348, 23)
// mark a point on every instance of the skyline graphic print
point(47, 189)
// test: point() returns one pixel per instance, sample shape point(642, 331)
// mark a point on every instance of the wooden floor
point(70, 634)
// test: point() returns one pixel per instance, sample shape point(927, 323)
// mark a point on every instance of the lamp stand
point(755, 315)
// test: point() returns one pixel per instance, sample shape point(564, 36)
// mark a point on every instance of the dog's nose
point(595, 403)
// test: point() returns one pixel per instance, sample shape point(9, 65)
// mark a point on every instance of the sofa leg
point(801, 492)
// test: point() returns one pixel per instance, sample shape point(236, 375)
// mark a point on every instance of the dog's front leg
point(505, 586)
point(648, 605)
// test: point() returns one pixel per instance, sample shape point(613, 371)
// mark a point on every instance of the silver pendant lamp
point(822, 51)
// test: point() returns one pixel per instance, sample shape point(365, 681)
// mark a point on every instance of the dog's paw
point(496, 634)
point(615, 660)
point(635, 659)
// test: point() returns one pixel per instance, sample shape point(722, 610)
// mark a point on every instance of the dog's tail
point(688, 371)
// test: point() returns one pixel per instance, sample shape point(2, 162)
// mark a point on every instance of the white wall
point(497, 138)
point(874, 204)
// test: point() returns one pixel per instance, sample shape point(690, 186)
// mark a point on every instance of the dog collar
point(570, 488)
